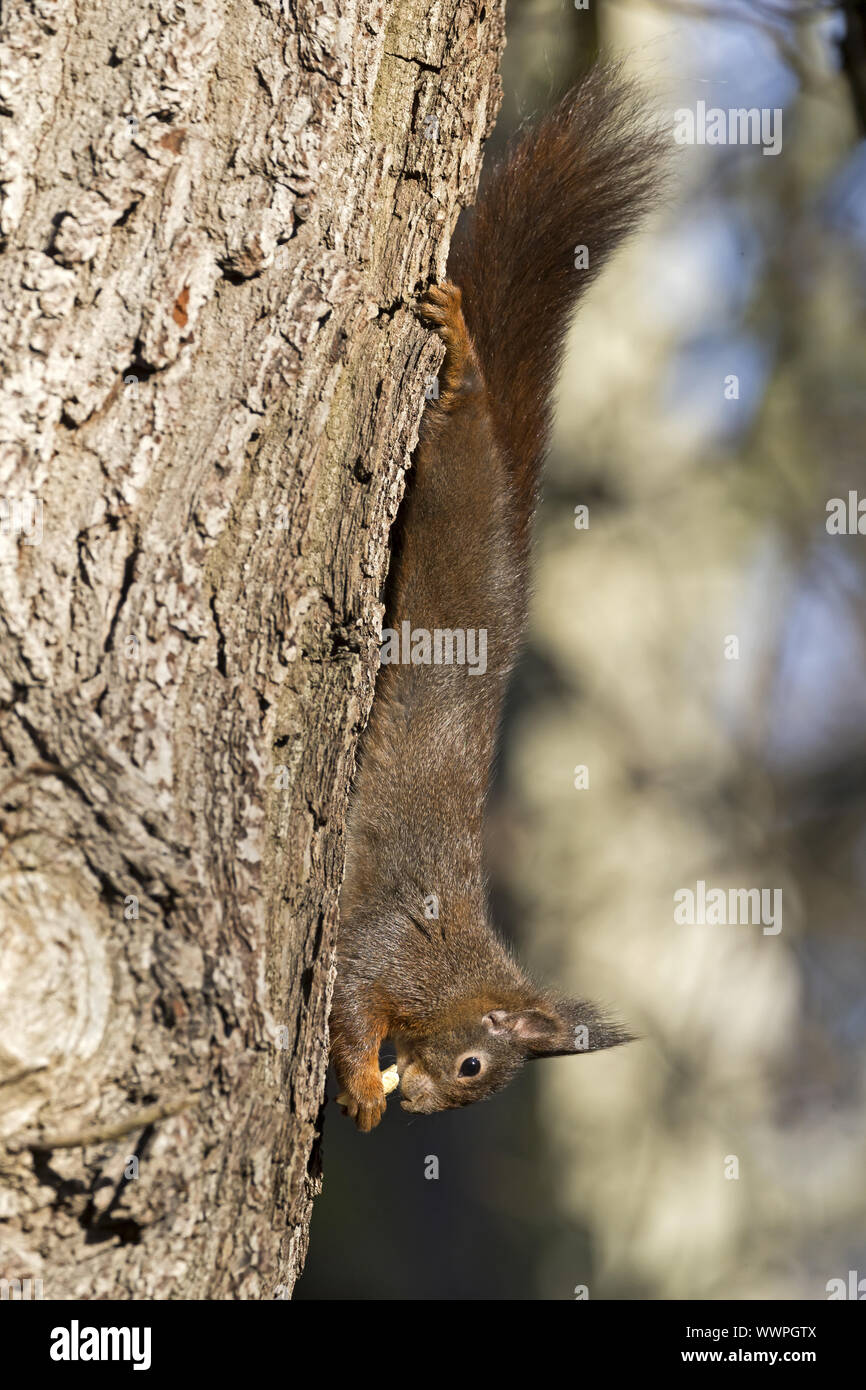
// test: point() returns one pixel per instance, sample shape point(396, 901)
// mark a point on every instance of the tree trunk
point(213, 218)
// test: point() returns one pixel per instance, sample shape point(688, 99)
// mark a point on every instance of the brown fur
point(445, 989)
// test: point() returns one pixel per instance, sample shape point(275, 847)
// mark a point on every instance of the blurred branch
point(776, 20)
point(853, 50)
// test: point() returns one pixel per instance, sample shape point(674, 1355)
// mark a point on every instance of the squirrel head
point(477, 1055)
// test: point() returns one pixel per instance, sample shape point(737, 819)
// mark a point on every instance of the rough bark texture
point(213, 218)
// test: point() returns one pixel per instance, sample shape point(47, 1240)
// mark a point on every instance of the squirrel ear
point(558, 1029)
point(534, 1027)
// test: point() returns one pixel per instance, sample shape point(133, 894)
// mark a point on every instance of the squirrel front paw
point(363, 1100)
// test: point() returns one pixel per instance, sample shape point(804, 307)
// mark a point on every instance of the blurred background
point(723, 1155)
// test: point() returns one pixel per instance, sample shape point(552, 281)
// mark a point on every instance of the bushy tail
point(583, 176)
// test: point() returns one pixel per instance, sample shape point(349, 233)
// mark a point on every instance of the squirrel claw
point(366, 1111)
point(440, 309)
point(440, 306)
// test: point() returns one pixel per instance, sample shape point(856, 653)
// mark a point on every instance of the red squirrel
point(418, 962)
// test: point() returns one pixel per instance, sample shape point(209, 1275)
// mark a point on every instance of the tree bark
point(214, 217)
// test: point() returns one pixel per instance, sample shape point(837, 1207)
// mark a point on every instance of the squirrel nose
point(408, 1078)
point(414, 1086)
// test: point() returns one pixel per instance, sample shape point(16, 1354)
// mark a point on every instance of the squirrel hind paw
point(440, 305)
point(440, 308)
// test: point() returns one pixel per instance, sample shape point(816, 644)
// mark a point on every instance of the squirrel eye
point(471, 1067)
